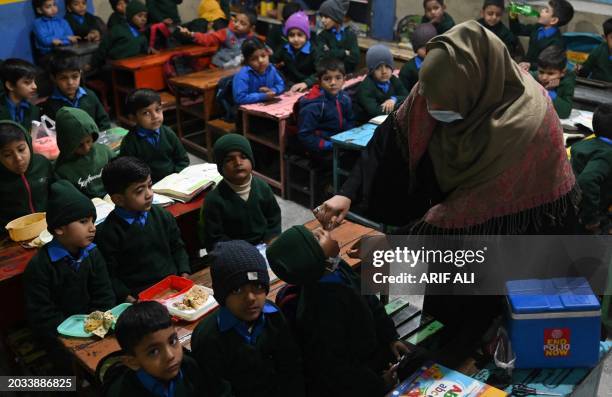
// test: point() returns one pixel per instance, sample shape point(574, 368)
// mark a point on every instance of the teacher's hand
point(332, 212)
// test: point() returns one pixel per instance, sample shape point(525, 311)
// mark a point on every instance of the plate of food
point(193, 304)
point(95, 323)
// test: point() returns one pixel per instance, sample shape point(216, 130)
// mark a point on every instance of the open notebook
point(188, 183)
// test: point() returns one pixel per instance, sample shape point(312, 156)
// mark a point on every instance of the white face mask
point(445, 116)
point(333, 263)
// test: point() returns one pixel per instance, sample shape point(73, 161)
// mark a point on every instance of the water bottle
point(523, 9)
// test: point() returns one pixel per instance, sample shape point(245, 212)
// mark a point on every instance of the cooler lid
point(569, 294)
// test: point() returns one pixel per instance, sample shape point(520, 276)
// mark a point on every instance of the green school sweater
point(32, 113)
point(592, 164)
point(89, 23)
point(190, 385)
point(89, 103)
point(275, 38)
point(168, 157)
point(138, 257)
point(225, 216)
point(114, 19)
point(565, 94)
point(298, 69)
point(345, 338)
point(370, 97)
point(85, 172)
point(444, 25)
point(409, 74)
point(23, 194)
point(270, 368)
point(162, 9)
point(598, 65)
point(535, 46)
point(503, 33)
point(54, 291)
point(120, 43)
point(327, 46)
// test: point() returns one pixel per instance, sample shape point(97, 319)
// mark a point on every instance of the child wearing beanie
point(240, 206)
point(68, 275)
point(246, 346)
point(380, 92)
point(296, 60)
point(347, 338)
point(409, 74)
point(276, 37)
point(118, 15)
point(335, 40)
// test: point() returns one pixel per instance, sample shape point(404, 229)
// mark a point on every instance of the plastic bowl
point(27, 227)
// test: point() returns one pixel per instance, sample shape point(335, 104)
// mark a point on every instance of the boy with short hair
point(552, 74)
point(81, 159)
point(247, 344)
point(229, 40)
point(335, 40)
point(165, 11)
point(325, 110)
point(153, 352)
point(347, 338)
point(49, 29)
point(240, 206)
point(435, 13)
point(18, 78)
point(65, 70)
point(491, 18)
point(598, 65)
point(141, 242)
point(82, 23)
point(545, 33)
point(118, 15)
point(24, 175)
point(68, 275)
point(380, 92)
point(150, 140)
point(409, 73)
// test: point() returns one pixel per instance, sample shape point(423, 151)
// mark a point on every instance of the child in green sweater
point(68, 275)
point(82, 23)
point(24, 175)
point(490, 17)
point(240, 207)
point(592, 164)
point(555, 14)
point(65, 72)
point(598, 65)
point(18, 80)
point(347, 338)
point(337, 41)
point(81, 159)
point(435, 13)
point(118, 15)
point(141, 242)
point(552, 74)
point(409, 73)
point(155, 358)
point(247, 344)
point(150, 140)
point(380, 92)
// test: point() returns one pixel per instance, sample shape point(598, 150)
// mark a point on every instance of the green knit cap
point(72, 125)
point(228, 143)
point(296, 256)
point(133, 8)
point(66, 204)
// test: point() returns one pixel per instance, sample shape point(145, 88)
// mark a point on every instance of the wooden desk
point(87, 352)
point(13, 261)
point(145, 71)
point(204, 82)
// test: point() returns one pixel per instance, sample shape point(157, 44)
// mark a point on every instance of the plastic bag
point(44, 138)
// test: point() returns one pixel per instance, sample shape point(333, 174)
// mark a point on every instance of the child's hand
point(325, 47)
point(265, 90)
point(525, 66)
point(57, 42)
point(399, 348)
point(390, 376)
point(152, 50)
point(130, 299)
point(554, 83)
point(73, 39)
point(512, 15)
point(168, 21)
point(93, 36)
point(185, 275)
point(183, 30)
point(387, 106)
point(270, 95)
point(299, 87)
point(87, 68)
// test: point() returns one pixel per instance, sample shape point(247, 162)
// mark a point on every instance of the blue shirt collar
point(418, 61)
point(328, 95)
point(140, 217)
point(305, 49)
point(384, 86)
point(333, 278)
point(544, 33)
point(57, 252)
point(227, 321)
point(79, 18)
point(134, 30)
point(57, 94)
point(604, 139)
point(151, 136)
point(156, 387)
point(17, 111)
point(251, 70)
point(338, 32)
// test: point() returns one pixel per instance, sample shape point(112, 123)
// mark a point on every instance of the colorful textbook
point(436, 380)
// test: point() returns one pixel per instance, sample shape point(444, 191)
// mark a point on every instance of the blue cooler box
point(554, 323)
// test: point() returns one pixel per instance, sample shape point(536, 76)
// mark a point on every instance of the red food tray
point(168, 288)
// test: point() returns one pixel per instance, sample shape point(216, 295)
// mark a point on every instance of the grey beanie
point(236, 263)
point(379, 55)
point(422, 34)
point(335, 9)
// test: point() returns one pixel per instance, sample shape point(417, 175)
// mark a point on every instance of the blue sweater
point(323, 116)
point(47, 29)
point(247, 83)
